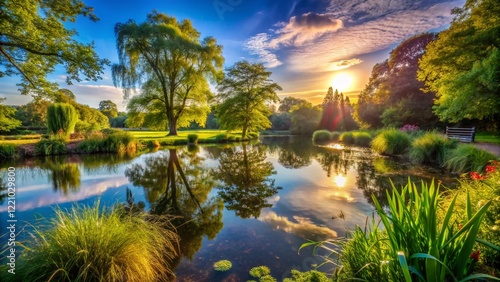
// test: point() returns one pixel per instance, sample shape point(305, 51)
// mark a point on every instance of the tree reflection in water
point(64, 173)
point(244, 178)
point(176, 183)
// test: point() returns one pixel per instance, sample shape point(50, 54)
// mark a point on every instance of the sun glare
point(342, 82)
point(340, 180)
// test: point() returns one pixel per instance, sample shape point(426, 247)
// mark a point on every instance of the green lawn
point(487, 137)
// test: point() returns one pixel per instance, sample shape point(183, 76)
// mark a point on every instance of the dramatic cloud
point(334, 50)
point(344, 64)
point(303, 227)
point(258, 45)
point(304, 28)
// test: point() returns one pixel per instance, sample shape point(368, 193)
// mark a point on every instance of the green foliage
point(34, 113)
point(153, 144)
point(90, 118)
point(108, 108)
point(94, 244)
point(467, 158)
point(192, 138)
point(259, 271)
point(61, 118)
point(49, 43)
point(336, 112)
point(304, 118)
point(335, 135)
point(222, 265)
point(117, 142)
point(53, 146)
point(362, 139)
point(431, 148)
point(7, 151)
point(308, 276)
point(322, 136)
point(243, 95)
point(221, 138)
point(393, 95)
point(462, 64)
point(347, 138)
point(429, 249)
point(391, 142)
point(7, 117)
point(167, 59)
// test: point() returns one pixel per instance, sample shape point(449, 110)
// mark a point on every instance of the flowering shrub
point(409, 127)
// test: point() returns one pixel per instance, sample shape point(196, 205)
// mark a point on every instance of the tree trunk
point(243, 133)
point(172, 127)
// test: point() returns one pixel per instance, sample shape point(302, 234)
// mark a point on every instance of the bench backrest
point(461, 134)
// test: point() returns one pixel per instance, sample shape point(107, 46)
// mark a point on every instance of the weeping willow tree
point(171, 66)
point(61, 117)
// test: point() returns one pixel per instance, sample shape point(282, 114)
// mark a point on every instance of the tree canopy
point(243, 95)
point(393, 95)
point(168, 62)
point(462, 65)
point(108, 108)
point(34, 40)
point(7, 118)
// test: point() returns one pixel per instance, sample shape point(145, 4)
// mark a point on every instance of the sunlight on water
point(340, 180)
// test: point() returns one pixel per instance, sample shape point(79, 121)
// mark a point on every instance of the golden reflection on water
point(340, 180)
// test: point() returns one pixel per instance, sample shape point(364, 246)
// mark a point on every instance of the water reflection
point(177, 183)
point(244, 179)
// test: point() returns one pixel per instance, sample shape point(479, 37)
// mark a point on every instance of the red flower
point(476, 176)
point(460, 226)
point(490, 168)
point(475, 255)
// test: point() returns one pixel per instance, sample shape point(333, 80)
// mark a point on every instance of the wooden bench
point(461, 134)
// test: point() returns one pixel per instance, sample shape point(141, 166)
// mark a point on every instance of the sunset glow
point(342, 82)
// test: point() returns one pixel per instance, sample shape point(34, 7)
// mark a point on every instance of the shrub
point(192, 138)
point(391, 142)
point(76, 136)
point(347, 138)
point(431, 148)
point(153, 144)
point(335, 135)
point(7, 151)
point(52, 146)
point(221, 138)
point(223, 265)
point(94, 244)
point(109, 131)
point(467, 158)
point(362, 139)
point(322, 136)
point(118, 142)
point(61, 117)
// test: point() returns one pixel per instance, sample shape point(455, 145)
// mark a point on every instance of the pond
point(252, 204)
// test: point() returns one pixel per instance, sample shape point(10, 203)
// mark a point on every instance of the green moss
point(222, 265)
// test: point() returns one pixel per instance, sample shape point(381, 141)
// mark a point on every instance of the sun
point(342, 82)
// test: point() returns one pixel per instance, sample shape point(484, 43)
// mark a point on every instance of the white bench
point(461, 134)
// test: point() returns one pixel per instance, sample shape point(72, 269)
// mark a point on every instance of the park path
point(492, 148)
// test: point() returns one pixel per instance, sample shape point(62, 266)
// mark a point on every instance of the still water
point(252, 204)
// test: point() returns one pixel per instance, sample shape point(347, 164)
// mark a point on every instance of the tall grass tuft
point(431, 148)
point(335, 136)
point(322, 137)
point(117, 142)
point(362, 139)
point(347, 138)
point(425, 248)
point(94, 244)
point(391, 142)
point(7, 151)
point(467, 158)
point(52, 146)
point(192, 138)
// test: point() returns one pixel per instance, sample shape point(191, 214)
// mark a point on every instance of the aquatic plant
point(222, 265)
point(7, 151)
point(307, 276)
point(96, 244)
point(259, 271)
point(52, 146)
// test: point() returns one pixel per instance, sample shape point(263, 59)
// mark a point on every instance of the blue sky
point(306, 44)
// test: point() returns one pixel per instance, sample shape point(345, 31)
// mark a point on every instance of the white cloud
point(344, 64)
point(305, 28)
point(92, 94)
point(258, 45)
point(335, 50)
point(303, 227)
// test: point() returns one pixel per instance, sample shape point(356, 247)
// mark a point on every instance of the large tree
point(244, 93)
point(108, 108)
point(167, 60)
point(34, 40)
point(393, 95)
point(463, 65)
